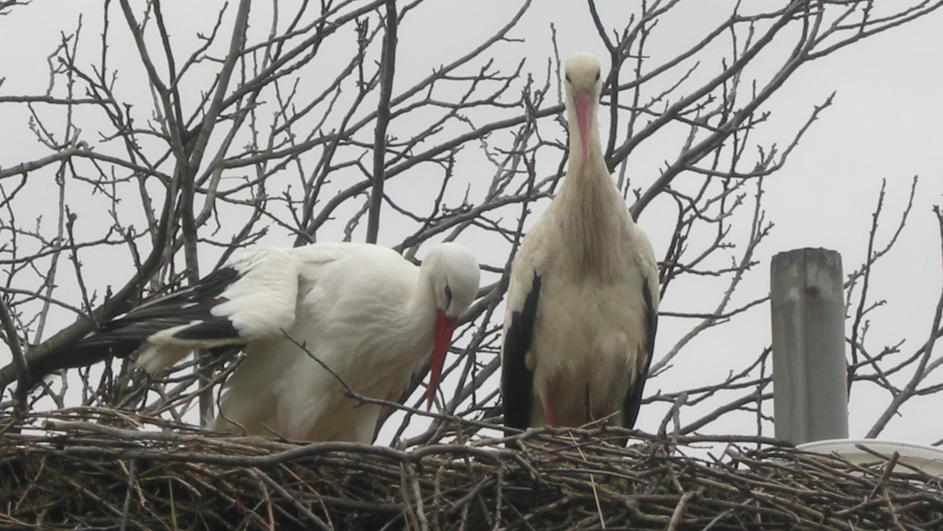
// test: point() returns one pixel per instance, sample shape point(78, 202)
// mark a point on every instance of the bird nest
point(83, 468)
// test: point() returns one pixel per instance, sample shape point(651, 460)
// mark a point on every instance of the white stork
point(583, 293)
point(363, 310)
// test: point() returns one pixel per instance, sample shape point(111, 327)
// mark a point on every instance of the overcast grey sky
point(886, 123)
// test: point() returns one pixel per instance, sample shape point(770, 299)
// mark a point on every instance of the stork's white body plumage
point(362, 310)
point(583, 291)
point(359, 312)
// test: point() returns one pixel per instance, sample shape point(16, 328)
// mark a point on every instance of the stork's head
point(454, 273)
point(583, 85)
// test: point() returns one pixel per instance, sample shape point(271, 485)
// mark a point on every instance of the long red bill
point(584, 110)
point(444, 326)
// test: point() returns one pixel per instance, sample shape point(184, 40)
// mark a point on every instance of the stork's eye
point(448, 296)
point(597, 75)
point(568, 80)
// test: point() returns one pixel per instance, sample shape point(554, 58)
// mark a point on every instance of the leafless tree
point(296, 128)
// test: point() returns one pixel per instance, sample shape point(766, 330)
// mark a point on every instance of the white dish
point(925, 458)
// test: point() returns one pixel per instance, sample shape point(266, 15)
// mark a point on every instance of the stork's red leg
point(549, 417)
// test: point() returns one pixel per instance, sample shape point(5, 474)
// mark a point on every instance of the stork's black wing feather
point(517, 381)
point(122, 336)
point(633, 398)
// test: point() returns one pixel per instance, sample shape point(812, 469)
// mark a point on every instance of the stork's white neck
point(590, 208)
point(579, 166)
point(419, 319)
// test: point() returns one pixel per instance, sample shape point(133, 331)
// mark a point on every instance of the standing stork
point(583, 293)
point(364, 311)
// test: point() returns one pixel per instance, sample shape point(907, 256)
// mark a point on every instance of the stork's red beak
point(444, 326)
point(584, 115)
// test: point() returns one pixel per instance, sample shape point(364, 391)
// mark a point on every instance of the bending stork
point(583, 293)
point(363, 310)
